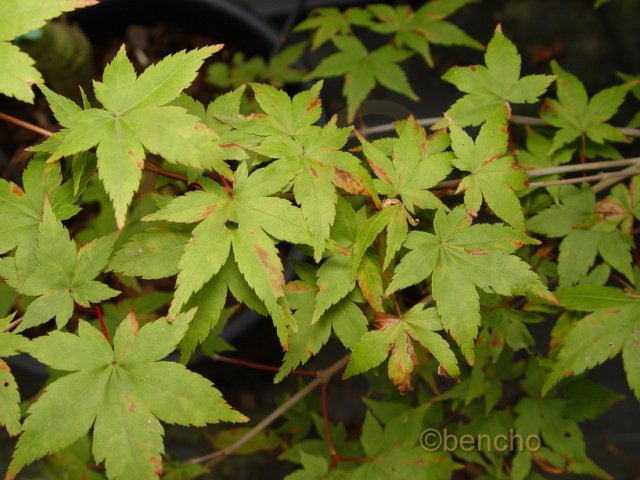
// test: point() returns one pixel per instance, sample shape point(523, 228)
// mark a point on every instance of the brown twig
point(260, 366)
point(25, 125)
point(323, 376)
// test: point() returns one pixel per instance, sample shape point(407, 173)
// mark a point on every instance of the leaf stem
point(25, 125)
point(103, 327)
point(12, 325)
point(260, 366)
point(327, 427)
point(322, 376)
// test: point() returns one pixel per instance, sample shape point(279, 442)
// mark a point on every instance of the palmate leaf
point(362, 70)
point(18, 17)
point(136, 118)
point(57, 273)
point(307, 156)
point(589, 228)
point(389, 443)
point(494, 175)
point(21, 209)
point(576, 115)
point(461, 257)
point(330, 21)
point(394, 337)
point(244, 221)
point(417, 163)
point(611, 327)
point(418, 29)
point(344, 317)
point(489, 87)
point(122, 391)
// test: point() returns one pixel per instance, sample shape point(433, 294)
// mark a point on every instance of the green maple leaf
point(389, 443)
point(17, 18)
point(21, 210)
point(460, 258)
point(135, 119)
point(10, 344)
point(362, 70)
point(589, 228)
point(330, 21)
point(122, 391)
point(245, 221)
point(57, 273)
point(283, 118)
point(418, 29)
point(579, 117)
point(344, 317)
point(394, 338)
point(417, 163)
point(494, 175)
point(489, 87)
point(611, 327)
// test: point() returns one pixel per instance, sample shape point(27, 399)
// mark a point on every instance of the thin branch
point(519, 119)
point(541, 172)
point(327, 426)
point(323, 376)
point(608, 182)
point(592, 178)
point(12, 325)
point(103, 327)
point(25, 125)
point(260, 366)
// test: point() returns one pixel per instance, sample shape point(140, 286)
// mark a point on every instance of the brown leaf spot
point(131, 407)
point(4, 367)
point(568, 373)
point(476, 251)
point(276, 277)
point(156, 461)
point(139, 161)
point(443, 373)
point(609, 209)
point(614, 311)
point(516, 244)
point(349, 183)
point(206, 213)
point(473, 68)
point(16, 190)
point(316, 102)
point(385, 320)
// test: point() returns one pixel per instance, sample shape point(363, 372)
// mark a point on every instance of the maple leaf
point(389, 443)
point(20, 17)
point(577, 116)
point(461, 257)
point(489, 87)
point(21, 209)
point(417, 163)
point(243, 221)
point(588, 228)
point(394, 338)
point(136, 118)
point(494, 175)
point(330, 21)
point(316, 166)
point(611, 327)
point(10, 344)
point(418, 29)
point(57, 273)
point(363, 69)
point(344, 317)
point(122, 391)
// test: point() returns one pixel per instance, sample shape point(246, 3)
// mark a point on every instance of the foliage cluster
point(430, 254)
